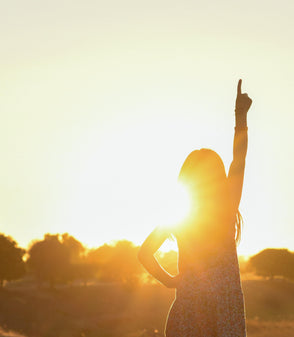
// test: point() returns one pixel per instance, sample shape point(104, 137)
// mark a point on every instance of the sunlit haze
point(101, 102)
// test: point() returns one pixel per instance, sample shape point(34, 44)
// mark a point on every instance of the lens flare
point(177, 206)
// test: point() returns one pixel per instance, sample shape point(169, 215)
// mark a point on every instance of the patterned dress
point(209, 301)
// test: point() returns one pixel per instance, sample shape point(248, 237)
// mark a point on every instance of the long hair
point(203, 173)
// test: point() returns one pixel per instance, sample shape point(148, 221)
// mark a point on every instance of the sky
point(101, 101)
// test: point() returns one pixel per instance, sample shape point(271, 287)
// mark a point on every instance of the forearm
point(153, 267)
point(237, 168)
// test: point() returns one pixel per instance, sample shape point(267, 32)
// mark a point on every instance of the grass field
point(109, 310)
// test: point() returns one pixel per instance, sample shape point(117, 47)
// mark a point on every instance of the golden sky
point(101, 101)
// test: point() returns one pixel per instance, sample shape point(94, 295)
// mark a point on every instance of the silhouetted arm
point(236, 172)
point(148, 260)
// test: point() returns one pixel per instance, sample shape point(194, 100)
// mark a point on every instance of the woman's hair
point(203, 173)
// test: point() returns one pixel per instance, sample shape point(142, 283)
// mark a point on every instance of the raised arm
point(236, 172)
point(148, 260)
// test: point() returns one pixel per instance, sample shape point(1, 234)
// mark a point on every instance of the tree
point(12, 265)
point(49, 260)
point(75, 248)
point(117, 263)
point(58, 258)
point(273, 262)
point(84, 270)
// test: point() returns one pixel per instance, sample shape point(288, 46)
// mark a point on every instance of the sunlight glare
point(177, 205)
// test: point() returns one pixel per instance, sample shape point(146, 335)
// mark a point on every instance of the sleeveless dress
point(209, 301)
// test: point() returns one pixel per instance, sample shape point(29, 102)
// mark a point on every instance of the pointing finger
point(239, 87)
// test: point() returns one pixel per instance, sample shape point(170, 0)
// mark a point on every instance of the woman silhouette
point(209, 298)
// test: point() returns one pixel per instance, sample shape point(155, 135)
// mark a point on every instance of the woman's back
point(209, 298)
point(202, 243)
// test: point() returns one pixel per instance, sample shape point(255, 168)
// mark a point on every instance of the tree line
point(62, 259)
